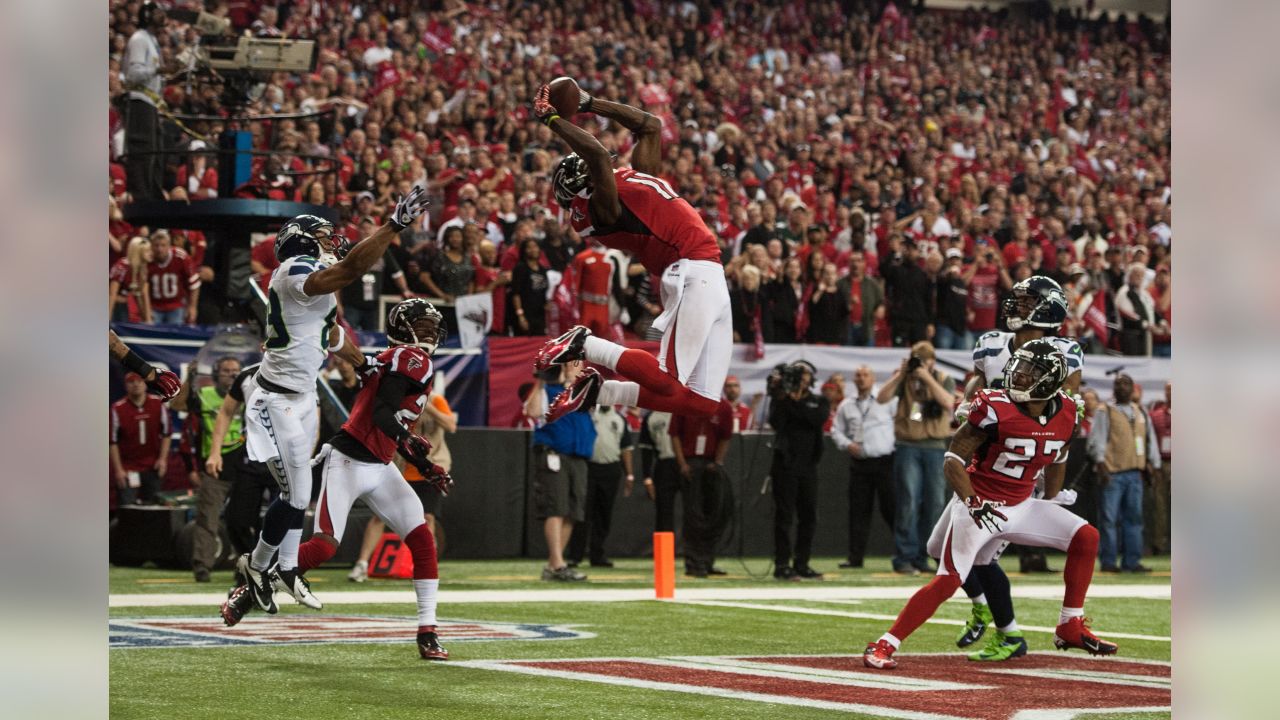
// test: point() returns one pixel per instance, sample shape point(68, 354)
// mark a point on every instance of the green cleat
point(1002, 646)
point(975, 626)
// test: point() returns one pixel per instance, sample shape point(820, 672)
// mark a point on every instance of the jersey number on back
point(1020, 451)
point(660, 186)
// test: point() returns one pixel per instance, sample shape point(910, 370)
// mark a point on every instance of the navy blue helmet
point(1036, 302)
point(310, 236)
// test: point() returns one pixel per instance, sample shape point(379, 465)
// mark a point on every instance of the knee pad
point(1085, 540)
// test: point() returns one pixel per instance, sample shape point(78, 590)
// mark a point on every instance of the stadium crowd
point(876, 174)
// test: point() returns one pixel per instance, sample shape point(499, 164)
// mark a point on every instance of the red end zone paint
point(937, 685)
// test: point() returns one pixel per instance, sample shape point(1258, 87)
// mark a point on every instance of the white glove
point(1064, 497)
point(409, 208)
point(962, 411)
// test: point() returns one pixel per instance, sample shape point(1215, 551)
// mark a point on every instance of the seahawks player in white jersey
point(1036, 308)
point(281, 420)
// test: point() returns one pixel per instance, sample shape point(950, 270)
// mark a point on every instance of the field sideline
point(520, 648)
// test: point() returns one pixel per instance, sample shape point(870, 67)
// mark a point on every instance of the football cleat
point(259, 584)
point(360, 572)
point(429, 647)
point(296, 585)
point(879, 655)
point(581, 395)
point(1002, 646)
point(1075, 633)
point(238, 604)
point(975, 626)
point(566, 348)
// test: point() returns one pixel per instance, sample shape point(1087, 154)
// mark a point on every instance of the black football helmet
point(1035, 372)
point(310, 236)
point(570, 178)
point(1036, 302)
point(416, 322)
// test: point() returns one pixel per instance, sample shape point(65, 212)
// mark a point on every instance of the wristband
point(134, 363)
point(342, 337)
point(549, 118)
point(953, 456)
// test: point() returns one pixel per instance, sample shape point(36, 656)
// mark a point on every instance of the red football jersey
point(172, 280)
point(701, 436)
point(413, 363)
point(137, 431)
point(1018, 447)
point(595, 273)
point(122, 273)
point(656, 226)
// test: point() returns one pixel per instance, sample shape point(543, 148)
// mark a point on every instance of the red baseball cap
point(129, 377)
point(732, 378)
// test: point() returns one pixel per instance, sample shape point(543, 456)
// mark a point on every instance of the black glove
point(984, 513)
point(415, 449)
point(439, 479)
point(366, 371)
point(165, 384)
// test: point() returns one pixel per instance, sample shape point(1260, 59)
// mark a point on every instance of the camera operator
point(142, 68)
point(797, 415)
point(921, 427)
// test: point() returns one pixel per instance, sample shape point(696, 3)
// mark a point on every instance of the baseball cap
point(954, 253)
point(131, 376)
point(364, 194)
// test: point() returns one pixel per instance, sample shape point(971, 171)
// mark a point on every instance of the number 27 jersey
point(1018, 446)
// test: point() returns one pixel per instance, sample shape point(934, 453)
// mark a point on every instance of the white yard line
point(790, 591)
point(799, 610)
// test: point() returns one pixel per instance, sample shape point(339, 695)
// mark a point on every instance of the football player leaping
point(357, 464)
point(995, 456)
point(280, 418)
point(1036, 308)
point(632, 209)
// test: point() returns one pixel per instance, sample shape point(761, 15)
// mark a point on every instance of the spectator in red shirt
point(139, 442)
point(700, 445)
point(174, 282)
point(986, 278)
point(196, 177)
point(741, 411)
point(127, 284)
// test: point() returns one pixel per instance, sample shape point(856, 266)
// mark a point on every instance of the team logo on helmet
point(310, 236)
point(1036, 302)
point(416, 322)
point(570, 178)
point(1035, 372)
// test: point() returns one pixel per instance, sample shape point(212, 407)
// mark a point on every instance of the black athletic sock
point(996, 584)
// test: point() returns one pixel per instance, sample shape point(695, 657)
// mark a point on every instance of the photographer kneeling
point(797, 415)
point(921, 425)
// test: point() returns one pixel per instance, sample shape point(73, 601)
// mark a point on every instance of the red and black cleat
point(429, 647)
point(566, 348)
point(879, 655)
point(239, 603)
point(581, 395)
point(1075, 633)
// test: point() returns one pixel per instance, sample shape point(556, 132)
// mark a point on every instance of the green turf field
point(387, 680)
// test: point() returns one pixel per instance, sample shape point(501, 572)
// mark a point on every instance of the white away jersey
point(992, 352)
point(297, 327)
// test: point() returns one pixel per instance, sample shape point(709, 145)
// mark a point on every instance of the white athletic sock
point(603, 352)
point(1068, 613)
point(426, 592)
point(619, 392)
point(289, 549)
point(1011, 627)
point(980, 600)
point(895, 642)
point(262, 555)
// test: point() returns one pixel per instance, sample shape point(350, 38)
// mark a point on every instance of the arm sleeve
point(841, 432)
point(1096, 446)
point(391, 391)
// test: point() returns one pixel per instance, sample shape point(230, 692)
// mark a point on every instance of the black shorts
point(429, 496)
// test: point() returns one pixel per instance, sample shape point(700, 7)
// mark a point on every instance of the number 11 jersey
point(657, 226)
point(298, 327)
point(1018, 445)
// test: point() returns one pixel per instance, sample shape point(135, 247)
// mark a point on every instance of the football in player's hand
point(565, 95)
